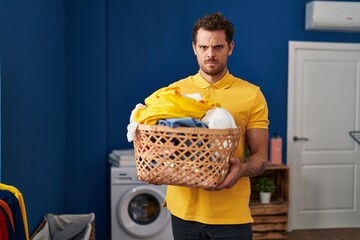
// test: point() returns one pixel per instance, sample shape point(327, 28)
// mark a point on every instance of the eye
point(219, 47)
point(203, 47)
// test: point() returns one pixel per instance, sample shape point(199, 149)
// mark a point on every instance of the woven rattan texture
point(192, 157)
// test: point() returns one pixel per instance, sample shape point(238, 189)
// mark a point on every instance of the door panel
point(323, 107)
point(320, 194)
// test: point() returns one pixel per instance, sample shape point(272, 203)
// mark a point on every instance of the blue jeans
point(188, 230)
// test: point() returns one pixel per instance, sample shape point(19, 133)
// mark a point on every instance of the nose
point(210, 52)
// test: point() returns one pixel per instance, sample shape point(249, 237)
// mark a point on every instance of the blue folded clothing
point(182, 122)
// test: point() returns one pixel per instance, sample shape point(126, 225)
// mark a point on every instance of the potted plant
point(265, 186)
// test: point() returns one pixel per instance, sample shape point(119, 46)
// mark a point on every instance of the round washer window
point(144, 209)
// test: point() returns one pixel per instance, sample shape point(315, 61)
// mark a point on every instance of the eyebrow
point(215, 45)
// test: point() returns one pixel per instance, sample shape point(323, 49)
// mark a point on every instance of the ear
point(231, 48)
point(194, 47)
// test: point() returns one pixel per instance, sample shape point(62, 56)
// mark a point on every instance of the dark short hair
point(214, 22)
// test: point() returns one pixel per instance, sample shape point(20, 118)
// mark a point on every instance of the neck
point(213, 78)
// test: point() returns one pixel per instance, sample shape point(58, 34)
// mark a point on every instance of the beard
point(212, 70)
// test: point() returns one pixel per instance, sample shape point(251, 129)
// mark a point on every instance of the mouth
point(211, 62)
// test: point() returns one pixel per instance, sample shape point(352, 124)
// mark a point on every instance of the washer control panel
point(124, 175)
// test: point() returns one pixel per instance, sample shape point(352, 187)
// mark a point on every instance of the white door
point(323, 107)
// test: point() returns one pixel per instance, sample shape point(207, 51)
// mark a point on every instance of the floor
point(325, 234)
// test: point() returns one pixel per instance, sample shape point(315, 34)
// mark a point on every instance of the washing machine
point(136, 208)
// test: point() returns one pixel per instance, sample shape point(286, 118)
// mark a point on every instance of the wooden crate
point(270, 220)
point(280, 174)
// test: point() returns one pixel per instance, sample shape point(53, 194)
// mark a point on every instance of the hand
point(235, 172)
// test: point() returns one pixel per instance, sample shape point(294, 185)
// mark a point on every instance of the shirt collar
point(223, 83)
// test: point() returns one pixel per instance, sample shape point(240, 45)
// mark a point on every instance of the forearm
point(257, 140)
point(255, 165)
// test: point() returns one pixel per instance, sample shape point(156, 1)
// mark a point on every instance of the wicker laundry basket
point(184, 156)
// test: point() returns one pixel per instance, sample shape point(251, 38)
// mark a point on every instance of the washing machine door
point(140, 211)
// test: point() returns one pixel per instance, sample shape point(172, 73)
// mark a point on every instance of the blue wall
point(33, 103)
point(73, 70)
point(86, 111)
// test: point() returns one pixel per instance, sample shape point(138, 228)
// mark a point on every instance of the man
point(223, 211)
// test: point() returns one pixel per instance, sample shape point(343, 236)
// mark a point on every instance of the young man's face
point(212, 52)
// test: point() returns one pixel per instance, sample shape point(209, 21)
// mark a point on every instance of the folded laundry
point(219, 118)
point(196, 96)
point(168, 102)
point(131, 128)
point(122, 158)
point(168, 107)
point(182, 122)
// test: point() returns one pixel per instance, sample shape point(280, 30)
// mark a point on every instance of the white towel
point(219, 118)
point(131, 128)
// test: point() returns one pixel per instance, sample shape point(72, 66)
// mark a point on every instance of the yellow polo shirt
point(248, 106)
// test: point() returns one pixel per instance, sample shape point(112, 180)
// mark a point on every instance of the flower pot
point(265, 197)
